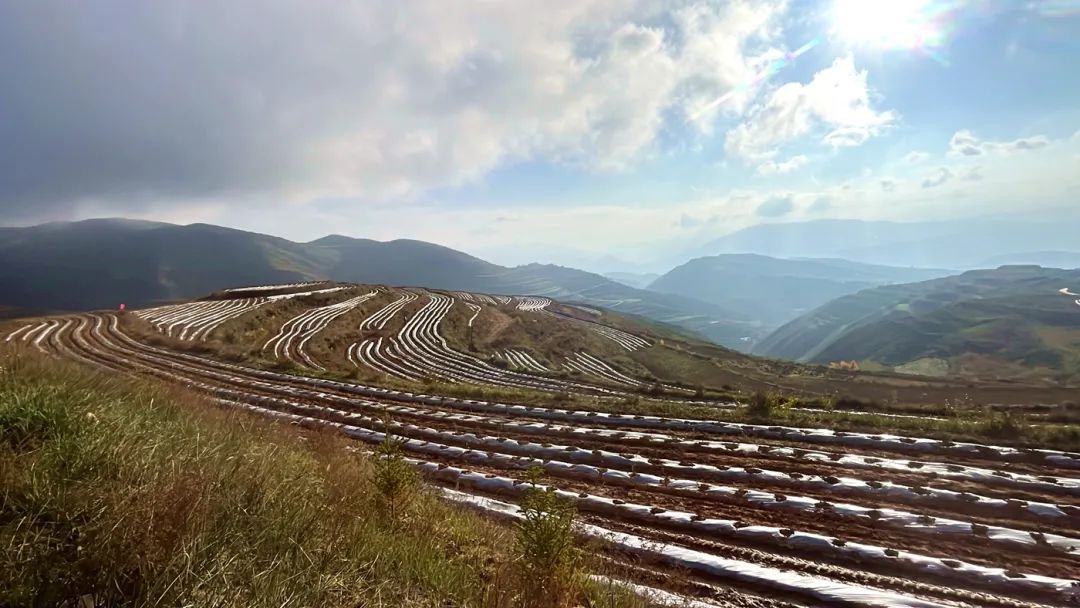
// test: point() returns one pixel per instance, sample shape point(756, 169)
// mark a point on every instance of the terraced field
point(735, 514)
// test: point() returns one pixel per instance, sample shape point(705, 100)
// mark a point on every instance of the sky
point(596, 133)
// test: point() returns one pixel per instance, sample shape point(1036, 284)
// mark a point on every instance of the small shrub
point(1004, 425)
point(547, 555)
point(847, 402)
point(395, 480)
point(283, 365)
point(762, 405)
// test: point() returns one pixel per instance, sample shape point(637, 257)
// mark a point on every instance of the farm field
point(678, 478)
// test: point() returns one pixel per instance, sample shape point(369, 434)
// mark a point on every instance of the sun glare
point(885, 24)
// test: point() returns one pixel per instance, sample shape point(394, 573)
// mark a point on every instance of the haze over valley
point(540, 304)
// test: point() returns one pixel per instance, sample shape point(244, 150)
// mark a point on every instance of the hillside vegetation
point(775, 291)
point(116, 492)
point(98, 264)
point(1012, 321)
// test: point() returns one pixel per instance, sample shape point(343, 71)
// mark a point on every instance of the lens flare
point(890, 24)
point(770, 70)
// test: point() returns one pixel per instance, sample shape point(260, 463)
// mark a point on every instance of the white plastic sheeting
point(819, 588)
point(306, 325)
point(883, 442)
point(688, 558)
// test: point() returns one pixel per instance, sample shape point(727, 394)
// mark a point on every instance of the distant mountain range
point(1047, 259)
point(966, 244)
point(1008, 321)
point(640, 280)
point(100, 263)
point(825, 305)
point(775, 291)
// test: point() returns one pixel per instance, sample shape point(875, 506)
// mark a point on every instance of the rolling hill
point(633, 279)
point(101, 263)
point(774, 290)
point(1010, 321)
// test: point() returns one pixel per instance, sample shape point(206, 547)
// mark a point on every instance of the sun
point(885, 24)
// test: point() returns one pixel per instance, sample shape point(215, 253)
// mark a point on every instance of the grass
point(121, 492)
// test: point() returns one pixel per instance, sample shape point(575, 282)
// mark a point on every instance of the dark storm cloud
point(154, 103)
point(139, 104)
point(95, 109)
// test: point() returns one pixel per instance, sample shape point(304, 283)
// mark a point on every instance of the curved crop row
point(381, 317)
point(587, 364)
point(292, 338)
point(522, 360)
point(532, 304)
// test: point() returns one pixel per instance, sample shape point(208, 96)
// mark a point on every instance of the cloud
point(973, 174)
point(689, 221)
point(915, 157)
point(888, 185)
point(939, 177)
point(649, 228)
point(771, 167)
point(836, 101)
point(188, 101)
point(848, 137)
point(776, 207)
point(820, 205)
point(965, 143)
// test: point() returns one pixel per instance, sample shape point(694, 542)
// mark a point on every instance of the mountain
point(947, 244)
point(102, 263)
point(640, 280)
point(774, 290)
point(1049, 259)
point(1011, 320)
